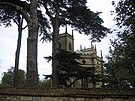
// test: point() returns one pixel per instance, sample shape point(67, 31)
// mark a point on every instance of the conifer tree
point(76, 14)
point(32, 73)
point(121, 65)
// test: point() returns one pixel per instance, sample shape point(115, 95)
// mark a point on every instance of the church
point(89, 59)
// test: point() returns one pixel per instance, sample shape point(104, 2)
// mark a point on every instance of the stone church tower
point(66, 41)
point(89, 59)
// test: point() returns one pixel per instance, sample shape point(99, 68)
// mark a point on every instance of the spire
point(72, 33)
point(91, 44)
point(95, 49)
point(101, 53)
point(66, 29)
point(80, 47)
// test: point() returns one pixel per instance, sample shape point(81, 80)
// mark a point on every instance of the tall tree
point(9, 13)
point(115, 72)
point(19, 23)
point(32, 44)
point(121, 62)
point(23, 7)
point(76, 14)
point(31, 18)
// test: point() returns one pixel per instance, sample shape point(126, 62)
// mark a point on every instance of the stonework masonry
point(26, 98)
point(48, 94)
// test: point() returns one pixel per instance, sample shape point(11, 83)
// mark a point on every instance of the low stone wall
point(48, 94)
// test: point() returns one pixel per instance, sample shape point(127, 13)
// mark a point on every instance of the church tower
point(66, 41)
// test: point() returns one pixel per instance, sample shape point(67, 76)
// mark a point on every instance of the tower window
point(59, 46)
point(69, 46)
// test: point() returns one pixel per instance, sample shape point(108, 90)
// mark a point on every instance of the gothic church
point(89, 59)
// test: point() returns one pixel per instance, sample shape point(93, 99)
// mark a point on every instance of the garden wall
point(48, 94)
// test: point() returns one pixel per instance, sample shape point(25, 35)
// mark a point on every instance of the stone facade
point(89, 59)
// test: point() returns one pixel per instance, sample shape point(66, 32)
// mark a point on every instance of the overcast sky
point(8, 41)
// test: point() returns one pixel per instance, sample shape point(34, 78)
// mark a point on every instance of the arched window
point(59, 46)
point(70, 46)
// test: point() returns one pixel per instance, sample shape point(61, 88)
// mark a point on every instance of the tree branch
point(25, 27)
point(72, 82)
point(25, 15)
point(47, 11)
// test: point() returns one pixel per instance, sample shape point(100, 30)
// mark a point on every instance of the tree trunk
point(55, 49)
point(32, 44)
point(17, 54)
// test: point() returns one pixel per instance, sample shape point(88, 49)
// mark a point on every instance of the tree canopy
point(76, 14)
point(9, 13)
point(7, 78)
point(121, 65)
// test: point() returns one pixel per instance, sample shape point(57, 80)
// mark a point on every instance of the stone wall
point(30, 98)
point(47, 94)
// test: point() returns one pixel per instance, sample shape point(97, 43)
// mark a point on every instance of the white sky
point(8, 41)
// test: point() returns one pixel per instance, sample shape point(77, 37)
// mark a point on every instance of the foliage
point(76, 14)
point(45, 83)
point(121, 65)
point(69, 68)
point(9, 14)
point(7, 79)
point(116, 73)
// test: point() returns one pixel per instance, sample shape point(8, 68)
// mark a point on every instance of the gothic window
point(59, 46)
point(70, 46)
point(85, 83)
